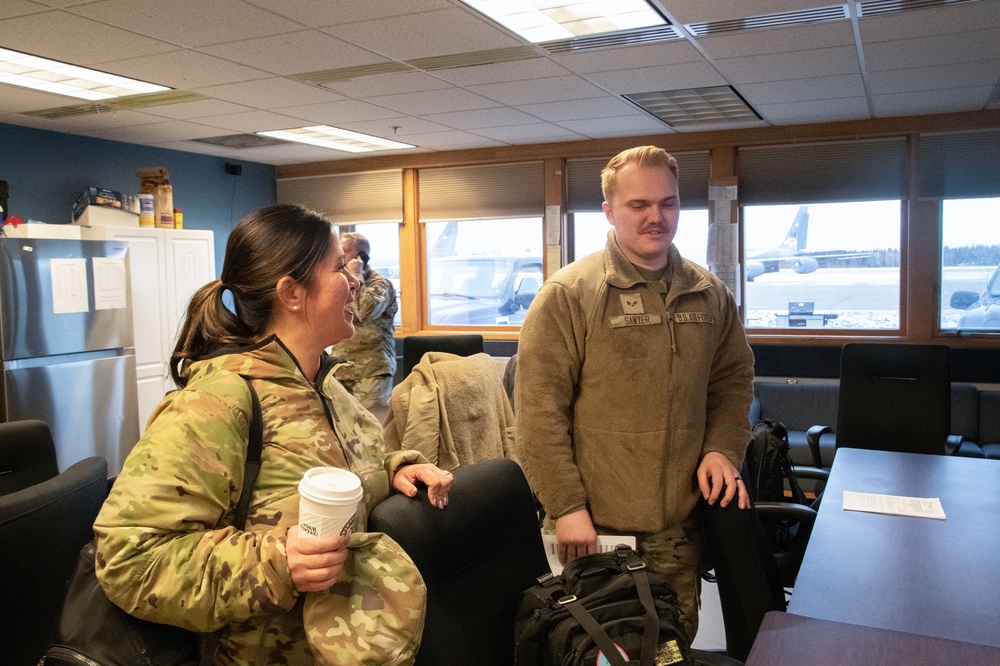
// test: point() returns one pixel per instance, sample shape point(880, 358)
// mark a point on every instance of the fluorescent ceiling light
point(547, 20)
point(28, 71)
point(337, 139)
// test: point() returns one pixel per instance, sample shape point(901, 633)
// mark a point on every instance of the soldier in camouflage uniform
point(167, 551)
point(371, 351)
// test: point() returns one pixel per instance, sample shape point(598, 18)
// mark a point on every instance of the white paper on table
point(894, 505)
point(604, 542)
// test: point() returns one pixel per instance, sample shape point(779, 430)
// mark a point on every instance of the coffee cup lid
point(331, 484)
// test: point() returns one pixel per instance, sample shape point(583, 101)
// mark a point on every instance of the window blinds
point(350, 198)
point(833, 171)
point(583, 181)
point(957, 165)
point(484, 191)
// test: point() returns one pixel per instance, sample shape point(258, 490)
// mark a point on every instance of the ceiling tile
point(516, 93)
point(334, 113)
point(108, 120)
point(191, 22)
point(11, 8)
point(294, 52)
point(803, 90)
point(186, 70)
point(174, 130)
point(772, 40)
point(254, 121)
point(432, 33)
point(596, 128)
point(796, 113)
point(16, 99)
point(387, 84)
point(272, 93)
point(404, 126)
point(477, 118)
point(197, 109)
point(945, 77)
point(533, 133)
point(797, 65)
point(949, 19)
point(909, 103)
point(575, 110)
point(81, 41)
point(933, 50)
point(699, 11)
point(338, 12)
point(435, 101)
point(606, 60)
point(652, 79)
point(198, 147)
point(535, 68)
point(453, 141)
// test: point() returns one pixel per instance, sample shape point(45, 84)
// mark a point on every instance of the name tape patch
point(635, 320)
point(694, 318)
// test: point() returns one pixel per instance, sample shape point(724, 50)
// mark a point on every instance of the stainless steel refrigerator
point(67, 345)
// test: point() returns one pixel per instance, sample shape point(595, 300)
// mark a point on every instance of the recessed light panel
point(336, 139)
point(547, 20)
point(28, 71)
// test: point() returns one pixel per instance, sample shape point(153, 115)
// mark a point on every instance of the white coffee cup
point(329, 498)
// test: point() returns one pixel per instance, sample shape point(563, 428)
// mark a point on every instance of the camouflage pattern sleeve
point(162, 554)
point(374, 295)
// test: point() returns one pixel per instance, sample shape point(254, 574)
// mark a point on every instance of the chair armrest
point(814, 473)
point(952, 444)
point(800, 512)
point(812, 439)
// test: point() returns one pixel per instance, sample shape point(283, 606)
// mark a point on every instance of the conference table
point(901, 573)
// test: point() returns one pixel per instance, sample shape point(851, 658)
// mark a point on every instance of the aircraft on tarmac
point(792, 252)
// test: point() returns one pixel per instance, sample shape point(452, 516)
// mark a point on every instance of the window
point(822, 266)
point(384, 260)
point(482, 272)
point(970, 265)
point(590, 233)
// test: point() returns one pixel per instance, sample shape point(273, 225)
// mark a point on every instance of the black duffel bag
point(602, 605)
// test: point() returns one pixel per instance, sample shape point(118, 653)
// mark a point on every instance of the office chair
point(415, 346)
point(893, 397)
point(27, 455)
point(42, 529)
point(745, 570)
point(476, 556)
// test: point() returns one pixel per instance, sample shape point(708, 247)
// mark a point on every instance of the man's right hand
point(576, 535)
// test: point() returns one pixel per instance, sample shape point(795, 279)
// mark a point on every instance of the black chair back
point(27, 455)
point(476, 556)
point(746, 572)
point(415, 346)
point(895, 397)
point(42, 529)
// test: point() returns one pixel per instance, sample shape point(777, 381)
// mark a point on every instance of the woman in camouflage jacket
point(166, 549)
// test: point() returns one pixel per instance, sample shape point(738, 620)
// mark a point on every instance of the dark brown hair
point(265, 246)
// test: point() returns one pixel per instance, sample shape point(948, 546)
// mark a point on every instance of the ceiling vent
point(129, 103)
point(349, 73)
point(473, 58)
point(877, 7)
point(650, 35)
point(241, 141)
point(780, 20)
point(696, 106)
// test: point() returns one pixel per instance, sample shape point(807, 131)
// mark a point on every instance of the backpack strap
point(251, 468)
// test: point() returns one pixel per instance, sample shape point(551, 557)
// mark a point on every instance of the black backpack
point(607, 603)
point(93, 631)
point(769, 464)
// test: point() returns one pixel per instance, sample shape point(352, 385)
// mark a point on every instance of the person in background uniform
point(372, 349)
point(634, 382)
point(166, 549)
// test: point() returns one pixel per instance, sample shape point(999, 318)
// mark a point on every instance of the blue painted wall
point(47, 171)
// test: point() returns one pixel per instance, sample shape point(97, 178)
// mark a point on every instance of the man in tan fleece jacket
point(634, 382)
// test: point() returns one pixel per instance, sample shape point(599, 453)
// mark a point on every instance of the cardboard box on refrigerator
point(102, 216)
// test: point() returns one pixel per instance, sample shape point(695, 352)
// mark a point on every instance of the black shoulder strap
point(255, 443)
point(252, 467)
